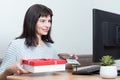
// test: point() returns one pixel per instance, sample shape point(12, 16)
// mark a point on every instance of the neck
point(41, 42)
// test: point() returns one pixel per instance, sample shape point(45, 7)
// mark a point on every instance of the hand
point(65, 56)
point(13, 69)
point(73, 56)
point(16, 69)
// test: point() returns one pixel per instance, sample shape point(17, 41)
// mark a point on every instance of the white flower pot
point(108, 71)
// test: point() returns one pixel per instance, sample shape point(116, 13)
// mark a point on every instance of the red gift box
point(44, 65)
point(40, 62)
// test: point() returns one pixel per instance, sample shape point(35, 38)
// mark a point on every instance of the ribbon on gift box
point(43, 61)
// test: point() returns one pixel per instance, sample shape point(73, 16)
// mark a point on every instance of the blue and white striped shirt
point(18, 50)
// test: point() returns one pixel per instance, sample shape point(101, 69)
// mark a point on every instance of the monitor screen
point(106, 34)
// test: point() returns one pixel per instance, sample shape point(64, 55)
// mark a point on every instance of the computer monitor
point(106, 34)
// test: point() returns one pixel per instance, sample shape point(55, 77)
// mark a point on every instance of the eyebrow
point(44, 19)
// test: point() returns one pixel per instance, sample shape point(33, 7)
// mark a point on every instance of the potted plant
point(108, 69)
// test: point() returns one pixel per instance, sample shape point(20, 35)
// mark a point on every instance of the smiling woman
point(34, 42)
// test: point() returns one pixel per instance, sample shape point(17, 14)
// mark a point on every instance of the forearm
point(63, 55)
point(3, 75)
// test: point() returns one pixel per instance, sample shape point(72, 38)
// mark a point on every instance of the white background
point(72, 22)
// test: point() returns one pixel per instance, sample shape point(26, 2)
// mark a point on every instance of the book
point(43, 65)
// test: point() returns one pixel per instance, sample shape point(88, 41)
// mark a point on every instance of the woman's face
point(43, 25)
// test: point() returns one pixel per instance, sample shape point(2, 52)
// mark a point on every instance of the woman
point(34, 42)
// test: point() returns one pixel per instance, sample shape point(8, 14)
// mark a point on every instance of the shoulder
point(17, 42)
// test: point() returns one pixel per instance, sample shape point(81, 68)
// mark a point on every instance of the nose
point(47, 24)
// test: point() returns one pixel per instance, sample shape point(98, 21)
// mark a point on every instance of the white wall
point(72, 22)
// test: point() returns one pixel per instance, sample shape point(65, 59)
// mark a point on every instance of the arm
point(11, 62)
point(65, 56)
point(10, 57)
point(3, 75)
point(13, 69)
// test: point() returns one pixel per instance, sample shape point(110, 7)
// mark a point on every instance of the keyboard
point(87, 70)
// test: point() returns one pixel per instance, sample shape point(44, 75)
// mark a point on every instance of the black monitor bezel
point(100, 16)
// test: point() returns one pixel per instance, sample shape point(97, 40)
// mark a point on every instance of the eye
point(50, 21)
point(42, 20)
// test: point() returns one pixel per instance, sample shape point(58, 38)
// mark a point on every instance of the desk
point(63, 75)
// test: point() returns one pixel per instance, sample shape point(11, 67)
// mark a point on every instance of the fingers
point(20, 69)
point(73, 56)
point(17, 69)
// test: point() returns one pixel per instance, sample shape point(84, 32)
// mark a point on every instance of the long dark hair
point(31, 17)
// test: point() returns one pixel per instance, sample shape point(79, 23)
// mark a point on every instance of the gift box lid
point(43, 61)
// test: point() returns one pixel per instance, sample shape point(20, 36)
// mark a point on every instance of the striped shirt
point(18, 50)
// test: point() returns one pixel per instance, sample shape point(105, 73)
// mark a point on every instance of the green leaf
point(107, 60)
